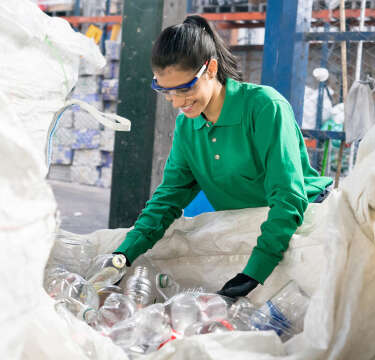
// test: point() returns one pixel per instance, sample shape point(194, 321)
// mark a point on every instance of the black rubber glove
point(240, 285)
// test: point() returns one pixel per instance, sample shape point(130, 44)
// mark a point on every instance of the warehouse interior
point(142, 231)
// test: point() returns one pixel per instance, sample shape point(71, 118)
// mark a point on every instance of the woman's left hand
point(240, 285)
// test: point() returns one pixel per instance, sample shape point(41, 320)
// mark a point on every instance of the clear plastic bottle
point(212, 307)
point(81, 311)
point(239, 314)
point(166, 286)
point(125, 333)
point(138, 287)
point(144, 332)
point(184, 311)
point(106, 291)
point(72, 286)
point(209, 327)
point(284, 312)
point(106, 270)
point(154, 327)
point(116, 308)
point(72, 252)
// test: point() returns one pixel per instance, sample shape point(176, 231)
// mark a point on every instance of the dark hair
point(190, 44)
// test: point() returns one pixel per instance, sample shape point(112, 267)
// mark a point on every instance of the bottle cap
point(163, 281)
point(119, 261)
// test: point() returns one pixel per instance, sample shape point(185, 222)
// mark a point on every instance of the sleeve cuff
point(134, 245)
point(259, 266)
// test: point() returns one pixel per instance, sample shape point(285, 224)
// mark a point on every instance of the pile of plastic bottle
point(152, 309)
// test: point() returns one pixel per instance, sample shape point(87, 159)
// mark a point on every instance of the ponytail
point(190, 44)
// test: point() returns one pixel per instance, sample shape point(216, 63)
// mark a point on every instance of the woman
point(238, 142)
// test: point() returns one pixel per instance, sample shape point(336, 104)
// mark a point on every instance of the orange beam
point(261, 16)
point(311, 143)
point(325, 15)
point(235, 16)
point(350, 13)
point(76, 20)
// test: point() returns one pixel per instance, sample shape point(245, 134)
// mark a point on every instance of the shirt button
point(213, 139)
point(207, 124)
point(217, 157)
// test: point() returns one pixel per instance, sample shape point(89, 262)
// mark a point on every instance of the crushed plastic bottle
point(154, 325)
point(284, 312)
point(116, 308)
point(144, 332)
point(106, 270)
point(107, 291)
point(212, 307)
point(125, 333)
point(72, 286)
point(200, 328)
point(239, 314)
point(81, 311)
point(166, 286)
point(184, 310)
point(138, 287)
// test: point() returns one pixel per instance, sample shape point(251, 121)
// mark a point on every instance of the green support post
point(133, 152)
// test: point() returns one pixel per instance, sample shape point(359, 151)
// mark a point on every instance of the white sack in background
point(40, 58)
point(311, 105)
point(359, 112)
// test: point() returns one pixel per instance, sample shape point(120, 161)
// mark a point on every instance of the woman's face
point(195, 101)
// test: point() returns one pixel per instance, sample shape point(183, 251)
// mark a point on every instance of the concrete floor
point(83, 209)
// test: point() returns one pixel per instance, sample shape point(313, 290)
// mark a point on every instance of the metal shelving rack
point(286, 46)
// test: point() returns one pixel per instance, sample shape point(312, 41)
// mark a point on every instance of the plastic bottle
point(184, 310)
point(209, 327)
point(284, 312)
point(106, 270)
point(239, 314)
point(212, 307)
point(125, 333)
point(72, 252)
point(72, 286)
point(116, 308)
point(138, 287)
point(81, 311)
point(154, 327)
point(144, 332)
point(106, 291)
point(215, 317)
point(166, 286)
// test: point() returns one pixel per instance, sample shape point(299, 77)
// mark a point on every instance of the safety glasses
point(181, 90)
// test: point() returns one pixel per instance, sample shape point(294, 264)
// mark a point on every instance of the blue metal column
point(77, 8)
point(322, 85)
point(189, 6)
point(105, 27)
point(322, 88)
point(285, 54)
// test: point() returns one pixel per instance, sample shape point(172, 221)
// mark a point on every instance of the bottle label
point(119, 261)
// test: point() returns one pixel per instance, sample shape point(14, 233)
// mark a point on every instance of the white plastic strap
point(112, 121)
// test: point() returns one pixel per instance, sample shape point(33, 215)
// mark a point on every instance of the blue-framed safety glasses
point(180, 90)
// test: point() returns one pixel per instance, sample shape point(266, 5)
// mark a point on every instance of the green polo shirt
point(253, 156)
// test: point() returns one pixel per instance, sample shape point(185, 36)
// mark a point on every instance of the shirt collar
point(232, 102)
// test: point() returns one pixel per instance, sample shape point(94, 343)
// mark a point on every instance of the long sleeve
point(277, 142)
point(176, 191)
